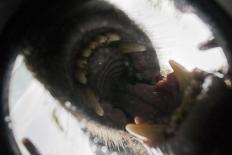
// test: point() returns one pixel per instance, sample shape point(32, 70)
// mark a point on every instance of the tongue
point(152, 103)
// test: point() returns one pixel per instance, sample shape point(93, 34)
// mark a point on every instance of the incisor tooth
point(183, 76)
point(111, 37)
point(94, 103)
point(146, 131)
point(131, 48)
point(81, 77)
point(86, 52)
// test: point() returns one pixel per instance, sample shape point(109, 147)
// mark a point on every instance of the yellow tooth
point(81, 76)
point(146, 131)
point(101, 39)
point(111, 37)
point(131, 48)
point(228, 82)
point(182, 74)
point(81, 63)
point(94, 103)
point(87, 52)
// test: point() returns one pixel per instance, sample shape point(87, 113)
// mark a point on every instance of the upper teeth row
point(99, 41)
point(87, 52)
point(124, 47)
point(82, 62)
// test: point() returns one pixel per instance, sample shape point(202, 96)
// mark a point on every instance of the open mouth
point(121, 80)
point(119, 87)
point(120, 72)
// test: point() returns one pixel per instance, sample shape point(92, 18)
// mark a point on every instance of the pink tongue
point(152, 102)
point(143, 92)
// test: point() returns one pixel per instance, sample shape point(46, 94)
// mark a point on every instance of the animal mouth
point(120, 78)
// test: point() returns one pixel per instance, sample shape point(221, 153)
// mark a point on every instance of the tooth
point(81, 63)
point(94, 103)
point(113, 37)
point(228, 82)
point(81, 76)
point(131, 48)
point(93, 45)
point(101, 39)
point(87, 52)
point(183, 76)
point(146, 131)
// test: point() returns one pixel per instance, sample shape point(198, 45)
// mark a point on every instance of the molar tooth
point(113, 37)
point(94, 103)
point(182, 74)
point(146, 131)
point(81, 76)
point(87, 52)
point(131, 48)
point(101, 39)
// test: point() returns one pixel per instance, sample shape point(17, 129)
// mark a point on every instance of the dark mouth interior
point(124, 74)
